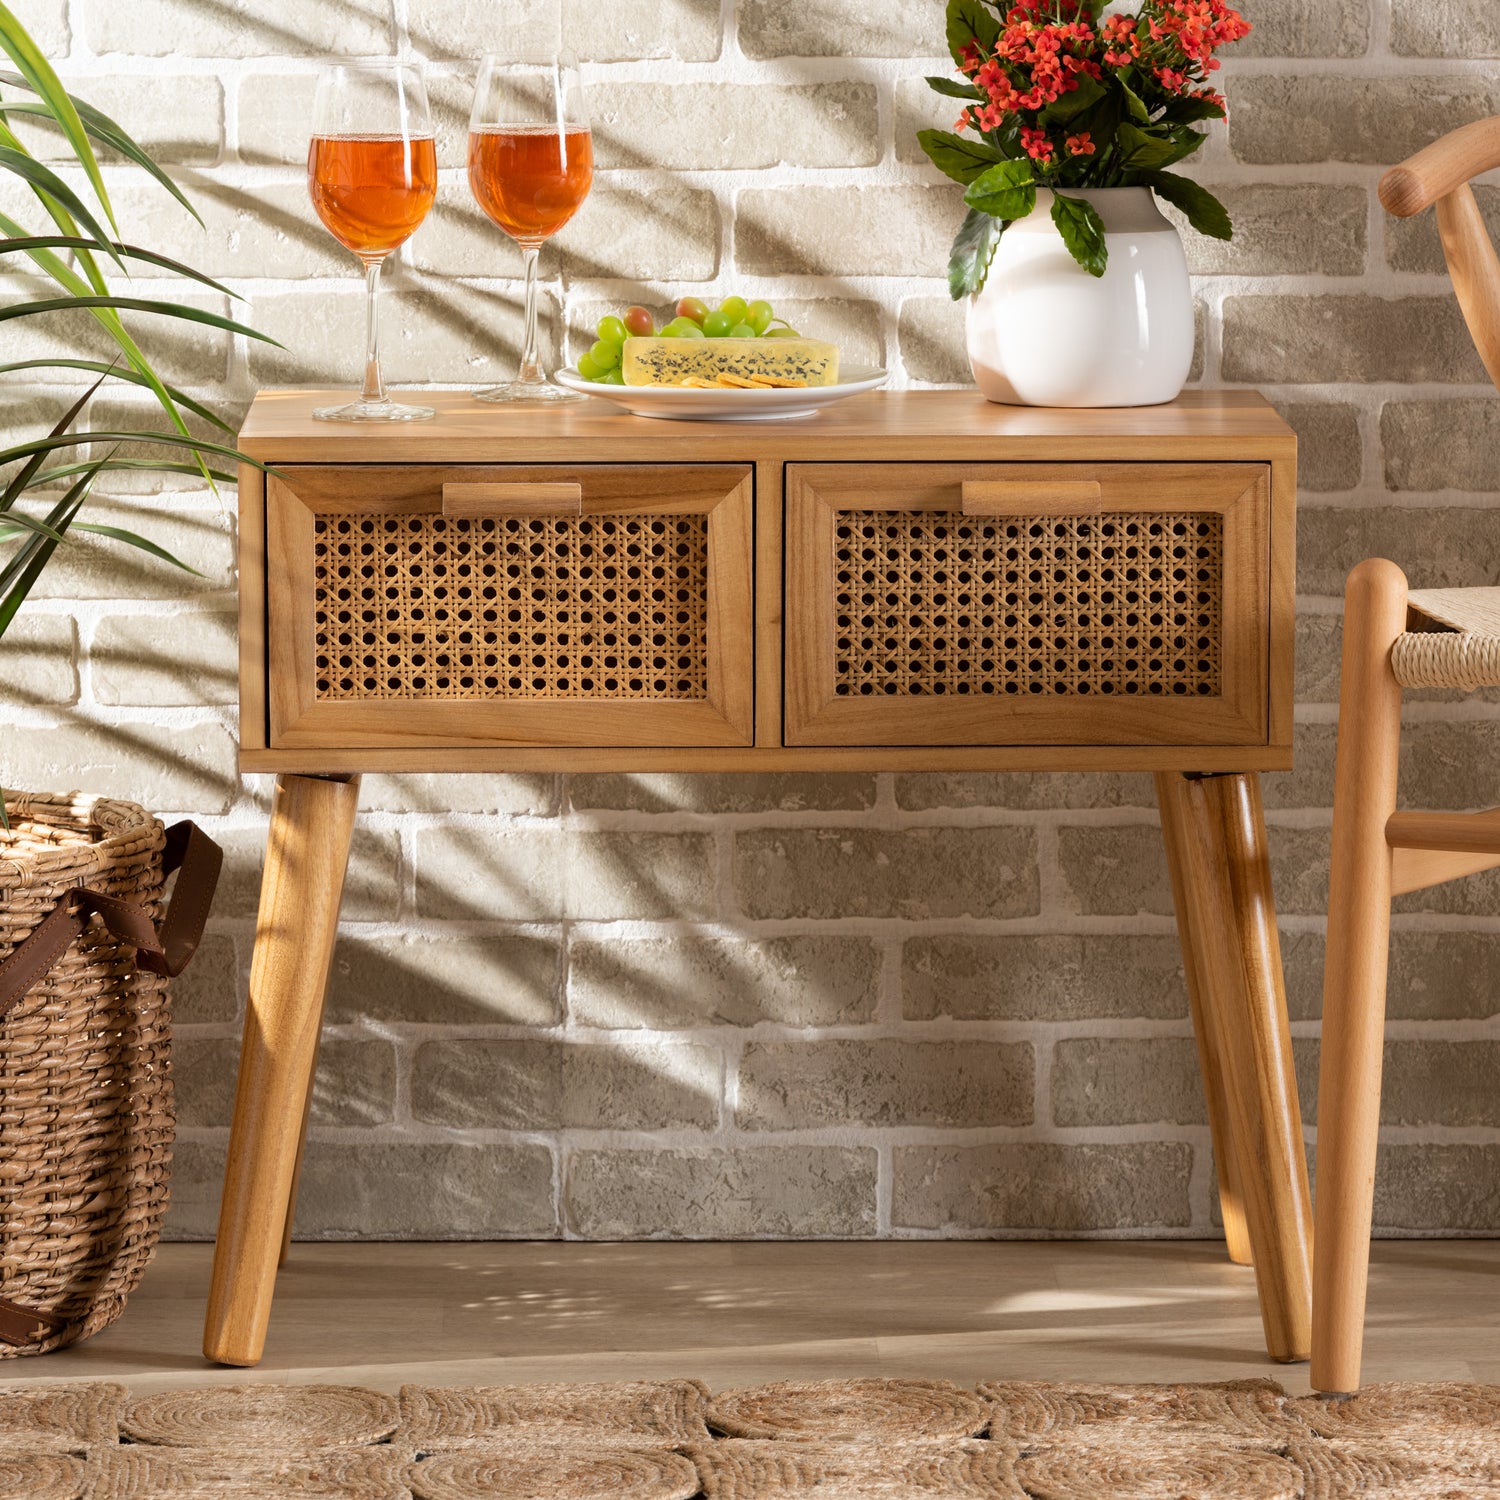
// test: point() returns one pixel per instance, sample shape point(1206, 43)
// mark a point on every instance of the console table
point(907, 581)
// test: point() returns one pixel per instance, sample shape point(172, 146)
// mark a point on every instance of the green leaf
point(971, 21)
point(1204, 212)
point(1135, 106)
point(136, 304)
point(954, 89)
point(99, 368)
point(1183, 110)
point(1082, 231)
point(26, 475)
point(957, 157)
point(48, 184)
point(1006, 191)
point(23, 522)
point(1068, 107)
point(131, 539)
point(104, 130)
point(19, 576)
point(79, 439)
point(973, 250)
point(151, 465)
point(28, 243)
point(1138, 149)
point(37, 72)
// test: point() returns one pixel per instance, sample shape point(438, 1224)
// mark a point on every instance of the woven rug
point(676, 1440)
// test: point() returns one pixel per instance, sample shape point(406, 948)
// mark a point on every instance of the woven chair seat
point(1461, 647)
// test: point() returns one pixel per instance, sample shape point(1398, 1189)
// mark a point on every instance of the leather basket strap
point(166, 952)
point(20, 1326)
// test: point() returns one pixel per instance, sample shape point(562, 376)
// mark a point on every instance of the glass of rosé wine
point(372, 175)
point(531, 164)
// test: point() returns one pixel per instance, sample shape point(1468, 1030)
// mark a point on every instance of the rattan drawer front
point(1027, 604)
point(461, 606)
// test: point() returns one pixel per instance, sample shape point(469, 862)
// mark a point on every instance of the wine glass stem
point(530, 370)
point(374, 387)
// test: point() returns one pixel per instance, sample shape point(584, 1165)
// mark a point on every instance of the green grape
point(742, 331)
point(717, 324)
point(758, 315)
point(691, 330)
point(588, 367)
point(639, 322)
point(671, 331)
point(611, 331)
point(612, 377)
point(606, 356)
point(781, 333)
point(733, 308)
point(694, 309)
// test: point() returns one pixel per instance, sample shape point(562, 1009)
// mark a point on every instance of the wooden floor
point(381, 1315)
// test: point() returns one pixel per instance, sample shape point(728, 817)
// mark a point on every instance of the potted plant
point(1075, 114)
point(85, 952)
point(46, 480)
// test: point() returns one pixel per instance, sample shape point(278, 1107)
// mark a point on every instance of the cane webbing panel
point(591, 607)
point(934, 603)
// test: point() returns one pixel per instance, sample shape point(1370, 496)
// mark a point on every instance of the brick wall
point(777, 1005)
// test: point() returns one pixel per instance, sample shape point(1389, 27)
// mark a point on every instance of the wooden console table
point(913, 581)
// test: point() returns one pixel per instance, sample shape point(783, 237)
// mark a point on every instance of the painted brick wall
point(777, 1005)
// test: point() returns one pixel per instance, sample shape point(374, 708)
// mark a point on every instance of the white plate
point(727, 404)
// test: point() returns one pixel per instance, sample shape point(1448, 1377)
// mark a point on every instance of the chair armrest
point(1437, 170)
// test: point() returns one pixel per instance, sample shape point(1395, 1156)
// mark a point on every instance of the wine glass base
point(530, 393)
point(373, 411)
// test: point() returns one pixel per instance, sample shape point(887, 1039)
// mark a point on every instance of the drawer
point(995, 604)
point(512, 605)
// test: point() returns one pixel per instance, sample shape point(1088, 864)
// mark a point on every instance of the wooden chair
point(1393, 639)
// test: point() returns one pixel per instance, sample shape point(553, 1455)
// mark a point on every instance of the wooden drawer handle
point(516, 499)
point(1030, 497)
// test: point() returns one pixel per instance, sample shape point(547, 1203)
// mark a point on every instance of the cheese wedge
point(657, 361)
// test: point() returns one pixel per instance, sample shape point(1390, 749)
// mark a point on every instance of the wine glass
point(531, 164)
point(372, 176)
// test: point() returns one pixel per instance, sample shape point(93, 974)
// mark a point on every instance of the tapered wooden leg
point(291, 1197)
point(1225, 882)
point(312, 822)
point(1354, 976)
point(1170, 797)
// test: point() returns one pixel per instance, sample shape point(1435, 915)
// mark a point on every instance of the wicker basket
point(86, 1112)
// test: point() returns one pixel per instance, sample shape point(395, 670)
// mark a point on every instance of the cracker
point(737, 382)
point(698, 383)
point(778, 382)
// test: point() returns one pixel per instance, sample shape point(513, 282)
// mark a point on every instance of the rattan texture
point(1029, 1412)
point(145, 1473)
point(932, 604)
point(60, 1418)
point(870, 1410)
point(1397, 1470)
point(86, 1113)
point(769, 1470)
point(1152, 1469)
point(1415, 1410)
point(525, 1471)
point(278, 1418)
point(635, 1413)
point(604, 607)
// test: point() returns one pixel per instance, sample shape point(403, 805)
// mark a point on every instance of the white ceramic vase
point(1043, 332)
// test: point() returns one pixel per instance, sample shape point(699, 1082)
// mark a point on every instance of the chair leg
point(1359, 915)
point(291, 1197)
point(1226, 885)
point(1171, 791)
point(312, 823)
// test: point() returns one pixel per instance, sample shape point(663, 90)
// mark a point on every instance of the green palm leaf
point(100, 368)
point(105, 131)
point(136, 304)
point(27, 243)
point(37, 72)
point(48, 184)
point(132, 540)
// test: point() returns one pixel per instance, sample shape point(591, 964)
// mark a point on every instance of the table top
point(1200, 425)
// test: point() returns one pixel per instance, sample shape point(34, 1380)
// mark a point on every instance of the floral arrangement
point(1058, 94)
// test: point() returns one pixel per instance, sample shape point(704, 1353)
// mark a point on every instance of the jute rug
point(676, 1440)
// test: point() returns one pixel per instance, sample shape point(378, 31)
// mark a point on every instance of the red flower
point(1038, 147)
point(1081, 144)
